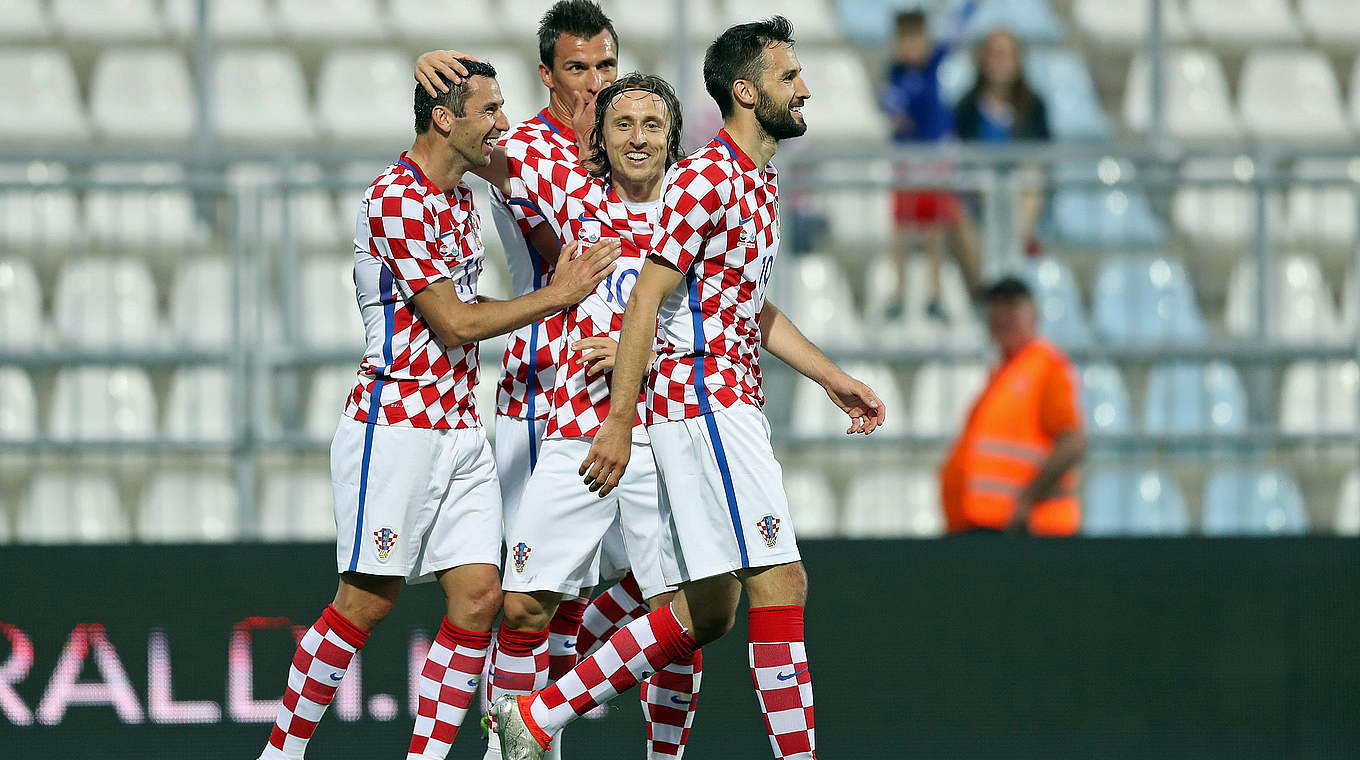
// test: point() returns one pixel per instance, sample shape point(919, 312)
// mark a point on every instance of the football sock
point(669, 698)
point(619, 605)
point(318, 667)
point(779, 668)
point(447, 686)
point(563, 631)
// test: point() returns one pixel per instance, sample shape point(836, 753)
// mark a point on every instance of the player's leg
point(933, 239)
point(670, 697)
point(967, 247)
point(614, 608)
point(778, 657)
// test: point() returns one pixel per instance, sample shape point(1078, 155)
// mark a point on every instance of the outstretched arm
point(780, 337)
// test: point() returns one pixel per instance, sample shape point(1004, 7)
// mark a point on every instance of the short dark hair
point(598, 161)
point(1008, 289)
point(910, 21)
point(455, 99)
point(577, 18)
point(739, 53)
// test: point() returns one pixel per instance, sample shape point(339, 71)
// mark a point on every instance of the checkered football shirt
point(585, 208)
point(409, 234)
point(530, 362)
point(720, 227)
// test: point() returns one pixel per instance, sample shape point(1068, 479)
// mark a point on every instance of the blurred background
point(178, 186)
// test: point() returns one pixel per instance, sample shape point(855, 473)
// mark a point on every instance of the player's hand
point(1019, 523)
point(583, 121)
point(600, 353)
point(857, 400)
point(435, 64)
point(579, 271)
point(608, 456)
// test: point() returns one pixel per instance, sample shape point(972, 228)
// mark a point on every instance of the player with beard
point(725, 518)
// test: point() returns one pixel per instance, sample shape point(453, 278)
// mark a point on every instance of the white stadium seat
point(1320, 397)
point(18, 406)
point(814, 415)
point(229, 21)
point(819, 300)
point(103, 403)
point(366, 95)
point(649, 22)
point(1221, 214)
point(1350, 304)
point(297, 506)
point(893, 504)
point(812, 20)
point(24, 20)
point(160, 216)
point(1331, 22)
point(313, 219)
point(419, 20)
point(812, 503)
point(330, 307)
point(333, 21)
point(523, 22)
point(943, 394)
point(1291, 95)
point(1347, 520)
point(142, 95)
point(260, 96)
point(200, 304)
point(189, 508)
point(61, 508)
point(331, 387)
point(1324, 214)
point(1355, 94)
point(1304, 311)
point(201, 405)
point(1242, 23)
point(520, 85)
point(21, 309)
point(880, 287)
point(1125, 25)
point(105, 303)
point(108, 20)
point(843, 105)
point(44, 214)
point(1198, 105)
point(42, 100)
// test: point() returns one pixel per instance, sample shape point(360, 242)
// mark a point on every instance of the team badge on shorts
point(520, 553)
point(386, 538)
point(769, 529)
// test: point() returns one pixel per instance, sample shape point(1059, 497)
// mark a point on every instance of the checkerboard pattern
point(318, 666)
point(779, 668)
point(563, 631)
point(669, 699)
point(530, 361)
point(420, 235)
point(447, 685)
point(519, 663)
point(618, 606)
point(720, 226)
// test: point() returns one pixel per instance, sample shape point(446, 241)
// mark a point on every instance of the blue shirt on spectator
point(914, 92)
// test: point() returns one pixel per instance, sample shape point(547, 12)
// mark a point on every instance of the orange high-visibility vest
point(1005, 445)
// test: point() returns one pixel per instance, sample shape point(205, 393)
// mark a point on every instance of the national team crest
point(747, 237)
point(386, 538)
point(590, 233)
point(520, 552)
point(769, 529)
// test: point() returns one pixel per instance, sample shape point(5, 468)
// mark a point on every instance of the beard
point(777, 120)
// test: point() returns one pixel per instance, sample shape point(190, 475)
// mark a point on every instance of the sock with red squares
point(563, 630)
point(618, 606)
point(779, 668)
point(447, 686)
point(519, 662)
point(318, 667)
point(668, 701)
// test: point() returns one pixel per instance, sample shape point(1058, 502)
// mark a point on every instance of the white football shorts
point(723, 506)
point(517, 443)
point(411, 502)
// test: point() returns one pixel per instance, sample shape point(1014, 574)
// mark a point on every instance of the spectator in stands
point(1003, 108)
point(1013, 466)
point(911, 99)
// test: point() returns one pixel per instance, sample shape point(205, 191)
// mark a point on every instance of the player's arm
point(780, 337)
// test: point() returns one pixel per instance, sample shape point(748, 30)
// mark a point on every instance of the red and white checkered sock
point(779, 668)
point(618, 606)
point(563, 630)
point(668, 701)
point(519, 662)
point(447, 685)
point(638, 650)
point(318, 666)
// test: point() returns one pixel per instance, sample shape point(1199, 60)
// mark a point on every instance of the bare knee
point(366, 600)
point(480, 605)
point(777, 586)
point(711, 623)
point(529, 612)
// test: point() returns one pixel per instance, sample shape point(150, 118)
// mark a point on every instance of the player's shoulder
point(706, 167)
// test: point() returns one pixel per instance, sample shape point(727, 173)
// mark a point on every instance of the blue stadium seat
point(1114, 215)
point(1033, 21)
point(1191, 398)
point(1134, 503)
point(1061, 317)
point(871, 21)
point(1105, 400)
point(1061, 78)
point(1146, 299)
point(1251, 502)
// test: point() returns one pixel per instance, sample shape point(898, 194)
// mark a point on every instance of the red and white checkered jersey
point(586, 208)
point(720, 227)
point(409, 235)
point(530, 361)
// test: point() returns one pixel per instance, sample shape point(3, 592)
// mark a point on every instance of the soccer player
point(552, 547)
point(725, 517)
point(416, 495)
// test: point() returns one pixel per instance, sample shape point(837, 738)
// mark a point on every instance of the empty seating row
point(1232, 24)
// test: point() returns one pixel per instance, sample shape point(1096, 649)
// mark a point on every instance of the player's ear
point(442, 118)
point(545, 74)
point(744, 92)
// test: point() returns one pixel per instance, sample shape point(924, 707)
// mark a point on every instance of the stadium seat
point(297, 506)
point(42, 100)
point(1355, 94)
point(1347, 520)
point(1221, 214)
point(1141, 299)
point(1061, 78)
point(812, 504)
point(856, 216)
point(1331, 22)
point(1291, 95)
point(1255, 502)
point(1303, 310)
point(820, 302)
point(102, 403)
point(1242, 23)
point(1124, 25)
point(957, 75)
point(160, 216)
point(843, 105)
point(1350, 305)
point(107, 20)
point(520, 85)
point(1320, 397)
point(1323, 214)
point(893, 504)
point(331, 386)
point(333, 21)
point(313, 219)
point(813, 21)
point(1198, 106)
point(523, 22)
point(1131, 502)
point(201, 304)
point(70, 508)
point(189, 508)
point(420, 21)
point(18, 406)
point(655, 23)
point(1192, 399)
point(202, 405)
point(105, 303)
point(24, 20)
point(1033, 21)
point(259, 95)
point(814, 416)
point(142, 95)
point(1105, 399)
point(38, 209)
point(330, 310)
point(365, 95)
point(879, 288)
point(1115, 215)
point(1061, 316)
point(943, 394)
point(21, 307)
point(237, 20)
